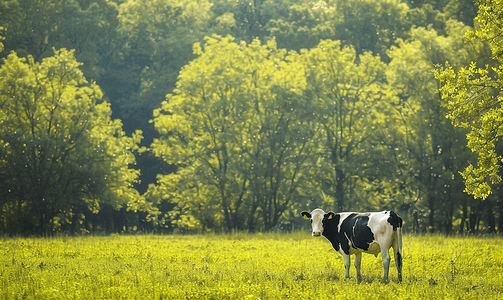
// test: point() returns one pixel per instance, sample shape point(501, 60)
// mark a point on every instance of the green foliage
point(159, 36)
point(351, 103)
point(242, 266)
point(61, 150)
point(35, 27)
point(255, 130)
point(489, 18)
point(365, 25)
point(360, 131)
point(431, 150)
point(474, 99)
point(239, 128)
point(474, 103)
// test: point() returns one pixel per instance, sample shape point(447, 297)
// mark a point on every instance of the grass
point(242, 266)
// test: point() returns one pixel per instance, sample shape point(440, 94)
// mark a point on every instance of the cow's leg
point(347, 264)
point(397, 250)
point(398, 261)
point(385, 262)
point(358, 262)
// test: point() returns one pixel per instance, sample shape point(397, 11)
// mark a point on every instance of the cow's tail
point(399, 242)
point(397, 222)
point(399, 255)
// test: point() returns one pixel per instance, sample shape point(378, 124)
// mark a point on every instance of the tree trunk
point(431, 217)
point(75, 221)
point(19, 216)
point(225, 207)
point(415, 224)
point(339, 189)
point(491, 220)
point(472, 221)
point(41, 214)
point(251, 217)
point(463, 216)
point(500, 219)
point(450, 213)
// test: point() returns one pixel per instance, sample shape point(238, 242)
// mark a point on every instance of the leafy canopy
point(239, 129)
point(474, 101)
point(60, 147)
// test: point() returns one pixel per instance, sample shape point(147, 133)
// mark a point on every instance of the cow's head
point(318, 218)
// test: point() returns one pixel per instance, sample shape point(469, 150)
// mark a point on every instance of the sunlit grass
point(242, 266)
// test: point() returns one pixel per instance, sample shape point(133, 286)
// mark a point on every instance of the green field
point(242, 266)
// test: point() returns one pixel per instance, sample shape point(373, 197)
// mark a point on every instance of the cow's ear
point(330, 215)
point(306, 215)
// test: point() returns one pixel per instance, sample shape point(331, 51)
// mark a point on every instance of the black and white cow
point(354, 233)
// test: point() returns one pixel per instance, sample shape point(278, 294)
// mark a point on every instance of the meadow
point(242, 266)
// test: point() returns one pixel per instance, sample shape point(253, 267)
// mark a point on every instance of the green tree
point(351, 100)
point(462, 10)
point(305, 25)
point(89, 27)
point(432, 146)
point(474, 101)
point(60, 149)
point(35, 27)
point(280, 146)
point(250, 19)
point(159, 36)
point(364, 25)
point(238, 128)
point(30, 26)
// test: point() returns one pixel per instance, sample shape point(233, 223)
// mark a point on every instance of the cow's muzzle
point(316, 233)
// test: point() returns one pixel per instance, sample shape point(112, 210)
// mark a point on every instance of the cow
point(356, 233)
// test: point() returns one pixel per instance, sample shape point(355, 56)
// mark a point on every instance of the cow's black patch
point(395, 220)
point(399, 260)
point(305, 215)
point(355, 229)
point(330, 230)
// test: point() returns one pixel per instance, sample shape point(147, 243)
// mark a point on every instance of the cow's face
point(317, 217)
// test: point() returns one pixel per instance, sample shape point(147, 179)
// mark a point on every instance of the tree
point(31, 26)
point(281, 145)
point(159, 36)
point(433, 147)
point(305, 26)
point(154, 41)
point(364, 25)
point(238, 129)
point(35, 27)
point(351, 100)
point(60, 150)
point(474, 101)
point(91, 29)
point(250, 19)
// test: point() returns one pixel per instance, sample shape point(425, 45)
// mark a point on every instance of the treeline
point(220, 115)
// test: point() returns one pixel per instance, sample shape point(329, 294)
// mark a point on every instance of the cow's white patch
point(317, 216)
